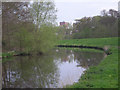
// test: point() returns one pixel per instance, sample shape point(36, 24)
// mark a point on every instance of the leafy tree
point(20, 19)
point(23, 40)
point(43, 13)
point(97, 26)
point(64, 32)
point(13, 15)
point(44, 39)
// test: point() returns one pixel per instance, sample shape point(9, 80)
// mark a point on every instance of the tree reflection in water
point(56, 69)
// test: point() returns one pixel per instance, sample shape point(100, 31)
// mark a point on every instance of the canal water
point(54, 70)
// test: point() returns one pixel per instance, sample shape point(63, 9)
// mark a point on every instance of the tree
point(43, 13)
point(113, 13)
point(19, 28)
point(14, 14)
point(97, 26)
point(104, 13)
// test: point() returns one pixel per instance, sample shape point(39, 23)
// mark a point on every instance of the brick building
point(64, 24)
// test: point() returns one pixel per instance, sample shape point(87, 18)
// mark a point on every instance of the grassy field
point(91, 42)
point(105, 75)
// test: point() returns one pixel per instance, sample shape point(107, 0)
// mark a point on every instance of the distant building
point(64, 24)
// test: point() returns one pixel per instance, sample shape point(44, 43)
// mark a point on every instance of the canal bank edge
point(105, 75)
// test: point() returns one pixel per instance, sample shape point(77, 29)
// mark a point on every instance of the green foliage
point(97, 26)
point(43, 12)
point(35, 41)
point(44, 39)
point(7, 54)
point(23, 40)
point(29, 29)
point(65, 32)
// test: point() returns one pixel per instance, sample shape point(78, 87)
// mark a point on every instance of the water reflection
point(56, 69)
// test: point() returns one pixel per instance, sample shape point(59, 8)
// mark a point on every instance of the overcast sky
point(69, 10)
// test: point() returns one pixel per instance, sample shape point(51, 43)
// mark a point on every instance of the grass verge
point(105, 75)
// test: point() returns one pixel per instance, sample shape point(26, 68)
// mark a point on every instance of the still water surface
point(56, 69)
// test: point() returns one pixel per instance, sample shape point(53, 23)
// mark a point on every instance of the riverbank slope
point(105, 75)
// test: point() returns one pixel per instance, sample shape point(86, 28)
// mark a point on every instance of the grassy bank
point(91, 42)
point(105, 75)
